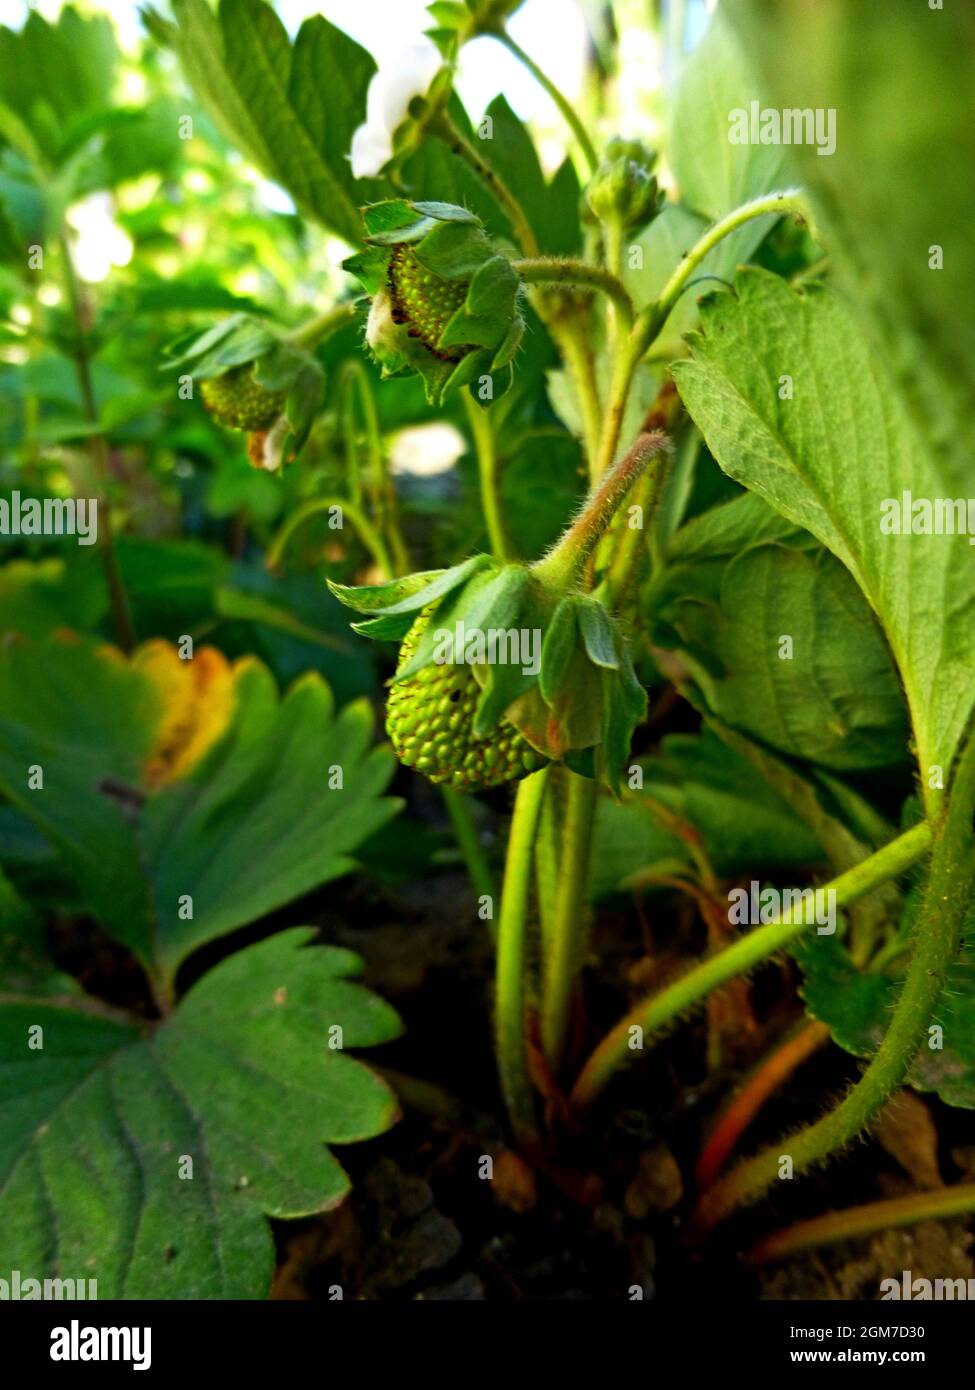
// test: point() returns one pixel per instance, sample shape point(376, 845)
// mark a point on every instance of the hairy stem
point(570, 918)
point(650, 321)
point(771, 1073)
point(575, 345)
point(509, 1002)
point(565, 106)
point(652, 1016)
point(458, 143)
point(355, 387)
point(938, 929)
point(564, 563)
point(792, 200)
point(557, 270)
point(628, 545)
point(482, 431)
point(548, 847)
point(835, 1226)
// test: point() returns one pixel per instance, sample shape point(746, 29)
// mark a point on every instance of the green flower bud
point(624, 189)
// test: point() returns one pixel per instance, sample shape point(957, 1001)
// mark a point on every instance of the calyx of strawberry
point(445, 302)
point(548, 659)
point(458, 21)
point(252, 378)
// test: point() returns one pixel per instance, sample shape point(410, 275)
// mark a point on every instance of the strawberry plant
point(630, 480)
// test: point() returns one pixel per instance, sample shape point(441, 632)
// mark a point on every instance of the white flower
point(387, 105)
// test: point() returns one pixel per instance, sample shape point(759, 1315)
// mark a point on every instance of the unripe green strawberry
point(424, 302)
point(237, 401)
point(430, 717)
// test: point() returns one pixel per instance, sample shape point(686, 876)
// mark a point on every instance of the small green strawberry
point(424, 302)
point(444, 298)
point(545, 674)
point(430, 719)
point(238, 402)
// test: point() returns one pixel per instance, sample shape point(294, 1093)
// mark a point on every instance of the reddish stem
point(764, 1081)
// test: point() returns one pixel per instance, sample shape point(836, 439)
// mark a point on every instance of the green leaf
point(290, 109)
point(25, 966)
point(552, 208)
point(258, 823)
point(272, 808)
point(856, 1006)
point(899, 79)
point(714, 175)
point(729, 528)
point(742, 824)
point(54, 74)
point(830, 696)
point(828, 459)
point(243, 1080)
point(86, 726)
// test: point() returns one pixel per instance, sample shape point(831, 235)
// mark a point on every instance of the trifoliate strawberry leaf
point(148, 1159)
point(76, 733)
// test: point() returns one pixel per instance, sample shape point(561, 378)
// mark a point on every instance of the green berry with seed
point(424, 302)
point(238, 402)
point(430, 718)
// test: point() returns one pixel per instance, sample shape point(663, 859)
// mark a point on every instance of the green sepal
point(557, 648)
point(454, 249)
point(448, 12)
point(504, 686)
point(391, 627)
point(460, 604)
point(510, 345)
point(369, 267)
point(488, 314)
point(501, 382)
point(409, 594)
point(232, 342)
point(598, 634)
point(446, 41)
point(624, 705)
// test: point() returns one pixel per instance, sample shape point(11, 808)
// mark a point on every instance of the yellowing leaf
point(198, 700)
